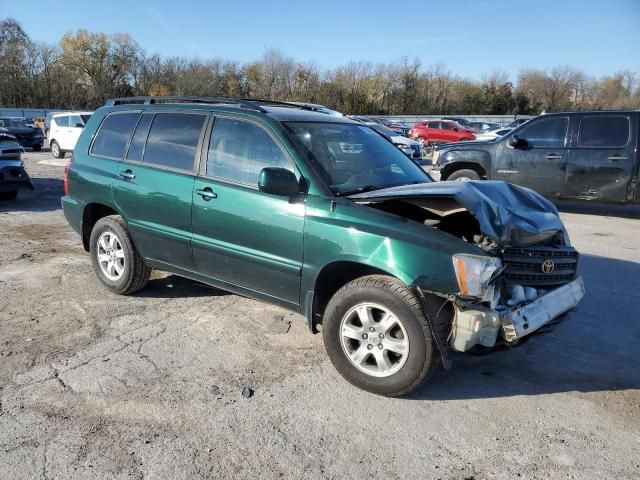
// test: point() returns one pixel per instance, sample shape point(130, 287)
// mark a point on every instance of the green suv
point(323, 216)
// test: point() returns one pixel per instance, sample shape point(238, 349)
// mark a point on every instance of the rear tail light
point(66, 176)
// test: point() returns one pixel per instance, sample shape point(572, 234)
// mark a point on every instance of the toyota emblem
point(548, 266)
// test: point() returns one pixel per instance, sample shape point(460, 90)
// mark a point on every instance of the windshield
point(354, 158)
point(14, 122)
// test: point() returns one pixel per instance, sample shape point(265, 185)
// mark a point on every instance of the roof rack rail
point(250, 103)
point(244, 103)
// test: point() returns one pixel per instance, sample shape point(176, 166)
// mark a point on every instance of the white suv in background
point(64, 131)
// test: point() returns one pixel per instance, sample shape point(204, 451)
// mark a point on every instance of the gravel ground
point(94, 385)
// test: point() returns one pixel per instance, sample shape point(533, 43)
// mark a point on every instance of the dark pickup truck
point(579, 155)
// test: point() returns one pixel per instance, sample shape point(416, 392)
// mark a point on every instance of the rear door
point(540, 161)
point(602, 159)
point(154, 186)
point(242, 236)
point(73, 132)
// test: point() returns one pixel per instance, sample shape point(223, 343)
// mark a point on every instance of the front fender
point(449, 160)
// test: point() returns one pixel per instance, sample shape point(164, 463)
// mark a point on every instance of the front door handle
point(206, 193)
point(128, 174)
point(617, 158)
point(554, 156)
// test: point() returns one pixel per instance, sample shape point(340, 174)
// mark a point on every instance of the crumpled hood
point(508, 214)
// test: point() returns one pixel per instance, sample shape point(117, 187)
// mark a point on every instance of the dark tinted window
point(446, 126)
point(239, 150)
point(433, 125)
point(173, 140)
point(74, 120)
point(604, 131)
point(139, 138)
point(111, 140)
point(546, 133)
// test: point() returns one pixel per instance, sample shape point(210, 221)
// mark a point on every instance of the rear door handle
point(616, 158)
point(128, 174)
point(554, 156)
point(206, 193)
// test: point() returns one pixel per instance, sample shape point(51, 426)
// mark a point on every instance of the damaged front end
point(525, 274)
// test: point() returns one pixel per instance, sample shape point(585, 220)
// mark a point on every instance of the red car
point(440, 131)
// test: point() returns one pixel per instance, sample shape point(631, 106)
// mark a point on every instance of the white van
point(64, 131)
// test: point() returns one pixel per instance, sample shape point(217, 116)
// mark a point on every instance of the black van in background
point(581, 155)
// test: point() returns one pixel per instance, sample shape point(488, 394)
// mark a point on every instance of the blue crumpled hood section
point(508, 214)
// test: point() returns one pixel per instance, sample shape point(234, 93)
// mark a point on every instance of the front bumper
point(483, 326)
point(13, 176)
point(520, 322)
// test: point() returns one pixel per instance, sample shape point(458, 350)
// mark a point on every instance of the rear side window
point(239, 150)
point(546, 133)
point(604, 131)
point(111, 140)
point(136, 148)
point(173, 140)
point(74, 120)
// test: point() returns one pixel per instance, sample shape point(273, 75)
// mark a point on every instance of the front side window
point(447, 126)
point(111, 140)
point(239, 150)
point(604, 131)
point(546, 133)
point(62, 121)
point(353, 158)
point(173, 140)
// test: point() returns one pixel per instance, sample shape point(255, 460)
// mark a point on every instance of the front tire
point(377, 336)
point(55, 150)
point(464, 175)
point(117, 263)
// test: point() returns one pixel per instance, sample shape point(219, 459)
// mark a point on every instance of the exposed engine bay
point(510, 223)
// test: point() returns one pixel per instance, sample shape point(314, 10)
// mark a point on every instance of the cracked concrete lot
point(93, 385)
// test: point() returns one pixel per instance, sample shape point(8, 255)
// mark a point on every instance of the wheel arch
point(455, 166)
point(331, 277)
point(91, 214)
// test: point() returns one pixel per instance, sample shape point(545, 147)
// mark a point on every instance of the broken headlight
point(475, 273)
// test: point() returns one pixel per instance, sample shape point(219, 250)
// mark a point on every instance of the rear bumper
point(520, 322)
point(73, 211)
point(14, 177)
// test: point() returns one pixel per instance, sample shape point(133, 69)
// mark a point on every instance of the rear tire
point(9, 195)
point(377, 336)
point(117, 263)
point(55, 150)
point(464, 175)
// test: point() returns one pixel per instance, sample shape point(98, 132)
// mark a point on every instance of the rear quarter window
point(113, 135)
point(604, 131)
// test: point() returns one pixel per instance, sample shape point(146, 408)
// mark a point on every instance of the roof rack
point(250, 103)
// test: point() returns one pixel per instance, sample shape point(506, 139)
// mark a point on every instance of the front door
point(602, 160)
point(539, 161)
point(154, 186)
point(242, 236)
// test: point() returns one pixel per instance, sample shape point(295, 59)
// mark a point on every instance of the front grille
point(524, 266)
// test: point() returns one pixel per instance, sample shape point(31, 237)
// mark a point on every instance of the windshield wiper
point(365, 188)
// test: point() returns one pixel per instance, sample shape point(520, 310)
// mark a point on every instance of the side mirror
point(278, 181)
point(456, 129)
point(516, 142)
point(79, 125)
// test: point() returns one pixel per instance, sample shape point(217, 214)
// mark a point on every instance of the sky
point(470, 38)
